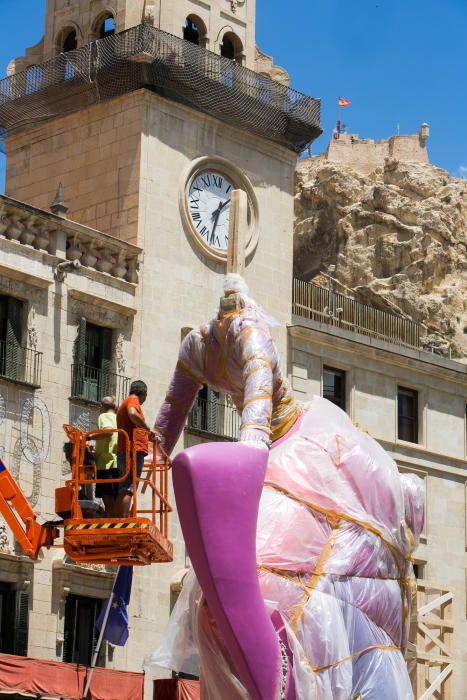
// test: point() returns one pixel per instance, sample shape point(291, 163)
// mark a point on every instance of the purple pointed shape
point(217, 489)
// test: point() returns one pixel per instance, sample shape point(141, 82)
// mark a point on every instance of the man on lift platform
point(129, 417)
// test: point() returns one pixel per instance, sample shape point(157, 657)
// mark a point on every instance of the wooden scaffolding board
point(430, 658)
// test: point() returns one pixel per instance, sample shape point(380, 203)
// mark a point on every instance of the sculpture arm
point(257, 353)
point(180, 397)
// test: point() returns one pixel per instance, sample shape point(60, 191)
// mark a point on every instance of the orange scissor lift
point(138, 540)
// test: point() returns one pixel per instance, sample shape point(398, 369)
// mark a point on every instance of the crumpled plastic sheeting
point(233, 354)
point(337, 526)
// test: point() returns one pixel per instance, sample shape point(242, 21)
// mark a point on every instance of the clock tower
point(150, 114)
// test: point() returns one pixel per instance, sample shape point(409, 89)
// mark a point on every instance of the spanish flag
point(343, 102)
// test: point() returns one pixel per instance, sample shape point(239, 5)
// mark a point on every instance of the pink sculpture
point(326, 613)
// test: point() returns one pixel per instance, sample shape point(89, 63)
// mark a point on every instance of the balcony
point(35, 229)
point(215, 417)
point(315, 303)
point(146, 57)
point(20, 364)
point(90, 384)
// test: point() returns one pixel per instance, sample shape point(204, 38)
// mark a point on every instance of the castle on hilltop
point(364, 155)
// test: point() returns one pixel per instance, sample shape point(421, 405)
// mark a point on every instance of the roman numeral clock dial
point(209, 199)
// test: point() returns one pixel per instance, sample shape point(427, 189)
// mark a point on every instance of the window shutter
point(22, 623)
point(80, 359)
point(81, 342)
point(107, 386)
point(14, 332)
point(212, 411)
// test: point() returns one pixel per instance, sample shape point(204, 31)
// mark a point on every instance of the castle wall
point(365, 155)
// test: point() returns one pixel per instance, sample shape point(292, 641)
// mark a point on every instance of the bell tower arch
point(70, 24)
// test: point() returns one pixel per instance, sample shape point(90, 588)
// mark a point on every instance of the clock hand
point(217, 214)
point(221, 206)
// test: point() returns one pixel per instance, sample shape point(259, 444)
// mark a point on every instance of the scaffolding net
point(146, 57)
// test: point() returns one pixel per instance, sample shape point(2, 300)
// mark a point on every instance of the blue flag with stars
point(116, 629)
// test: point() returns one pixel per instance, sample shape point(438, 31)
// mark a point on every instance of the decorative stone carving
point(92, 248)
point(5, 544)
point(264, 65)
point(119, 355)
point(3, 220)
point(105, 263)
point(132, 274)
point(42, 241)
point(59, 206)
point(32, 338)
point(119, 269)
point(14, 229)
point(89, 258)
point(29, 232)
point(234, 4)
point(35, 454)
point(74, 251)
point(149, 11)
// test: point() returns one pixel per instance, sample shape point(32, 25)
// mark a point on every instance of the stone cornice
point(419, 361)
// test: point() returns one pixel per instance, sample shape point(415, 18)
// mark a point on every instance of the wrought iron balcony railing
point(92, 384)
point(144, 56)
point(216, 417)
point(20, 364)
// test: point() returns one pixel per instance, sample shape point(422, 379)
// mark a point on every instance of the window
point(205, 412)
point(80, 634)
point(407, 414)
point(92, 372)
point(11, 331)
point(14, 614)
point(334, 386)
point(191, 32)
point(70, 42)
point(231, 47)
point(194, 31)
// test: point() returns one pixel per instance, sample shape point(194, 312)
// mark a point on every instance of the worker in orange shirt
point(129, 417)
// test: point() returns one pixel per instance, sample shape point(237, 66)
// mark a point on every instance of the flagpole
point(99, 641)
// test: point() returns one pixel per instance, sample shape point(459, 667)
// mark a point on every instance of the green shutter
point(107, 386)
point(22, 623)
point(14, 332)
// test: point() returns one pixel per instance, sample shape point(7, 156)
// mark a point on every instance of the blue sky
point(398, 61)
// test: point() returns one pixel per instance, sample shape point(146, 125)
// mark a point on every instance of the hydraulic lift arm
point(19, 515)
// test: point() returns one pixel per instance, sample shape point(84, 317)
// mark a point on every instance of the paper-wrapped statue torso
point(336, 529)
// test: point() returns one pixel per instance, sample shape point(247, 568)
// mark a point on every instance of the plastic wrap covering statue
point(336, 529)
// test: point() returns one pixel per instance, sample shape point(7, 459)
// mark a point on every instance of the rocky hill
point(397, 237)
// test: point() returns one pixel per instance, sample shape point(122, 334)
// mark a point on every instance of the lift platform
point(138, 540)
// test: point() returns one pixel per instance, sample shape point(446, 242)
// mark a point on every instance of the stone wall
point(96, 156)
point(365, 155)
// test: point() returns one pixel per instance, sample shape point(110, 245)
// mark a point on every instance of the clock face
point(209, 208)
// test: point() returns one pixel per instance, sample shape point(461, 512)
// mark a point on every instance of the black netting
point(147, 57)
